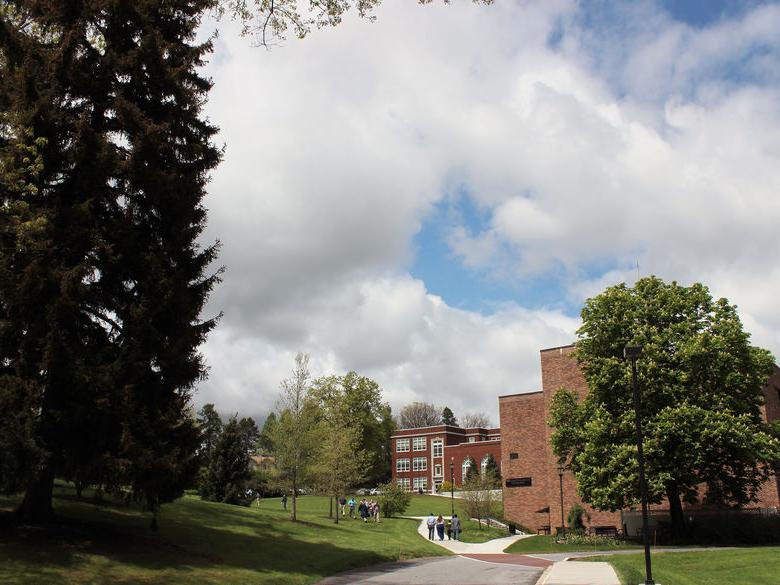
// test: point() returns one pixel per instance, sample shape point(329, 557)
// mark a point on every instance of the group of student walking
point(366, 509)
point(438, 526)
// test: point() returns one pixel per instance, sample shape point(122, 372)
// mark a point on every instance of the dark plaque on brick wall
point(518, 482)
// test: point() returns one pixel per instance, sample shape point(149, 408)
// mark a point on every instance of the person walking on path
point(431, 523)
point(455, 527)
point(343, 504)
point(284, 501)
point(363, 510)
point(351, 505)
point(440, 527)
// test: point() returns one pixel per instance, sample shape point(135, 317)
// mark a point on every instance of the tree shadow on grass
point(200, 544)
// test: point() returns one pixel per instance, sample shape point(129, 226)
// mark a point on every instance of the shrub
point(576, 517)
point(394, 499)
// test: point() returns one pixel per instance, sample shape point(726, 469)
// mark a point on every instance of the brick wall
point(524, 431)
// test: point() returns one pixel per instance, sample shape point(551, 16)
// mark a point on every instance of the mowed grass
point(547, 544)
point(199, 543)
point(422, 505)
point(748, 566)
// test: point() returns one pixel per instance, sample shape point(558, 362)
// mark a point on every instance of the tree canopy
point(700, 382)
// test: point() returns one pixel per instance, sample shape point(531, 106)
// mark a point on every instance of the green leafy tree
point(393, 499)
point(700, 383)
point(228, 471)
point(447, 418)
point(103, 281)
point(342, 462)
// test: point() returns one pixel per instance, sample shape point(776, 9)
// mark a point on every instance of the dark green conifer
point(102, 279)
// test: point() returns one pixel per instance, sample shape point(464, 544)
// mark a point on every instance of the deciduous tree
point(475, 419)
point(700, 382)
point(419, 414)
point(295, 436)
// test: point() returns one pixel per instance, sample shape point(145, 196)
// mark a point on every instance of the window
point(419, 464)
point(420, 483)
point(437, 445)
point(465, 469)
point(403, 483)
point(483, 465)
point(419, 443)
point(513, 455)
point(437, 471)
point(402, 465)
point(472, 439)
point(402, 445)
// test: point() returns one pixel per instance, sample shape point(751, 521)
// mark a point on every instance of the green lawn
point(199, 543)
point(748, 566)
point(547, 544)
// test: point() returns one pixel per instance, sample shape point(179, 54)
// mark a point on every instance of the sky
point(429, 198)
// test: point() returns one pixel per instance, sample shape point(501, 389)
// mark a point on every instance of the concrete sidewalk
point(495, 546)
point(579, 573)
point(562, 572)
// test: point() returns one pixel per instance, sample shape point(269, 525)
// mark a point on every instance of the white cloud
point(339, 147)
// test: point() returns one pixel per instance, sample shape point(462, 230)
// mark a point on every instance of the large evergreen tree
point(102, 281)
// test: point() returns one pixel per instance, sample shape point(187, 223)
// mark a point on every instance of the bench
point(543, 529)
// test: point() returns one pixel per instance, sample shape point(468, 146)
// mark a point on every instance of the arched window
point(483, 465)
point(465, 468)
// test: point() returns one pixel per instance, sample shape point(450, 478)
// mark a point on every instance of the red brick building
point(422, 456)
point(531, 477)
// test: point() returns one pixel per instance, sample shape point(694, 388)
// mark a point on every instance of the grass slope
point(199, 543)
point(749, 566)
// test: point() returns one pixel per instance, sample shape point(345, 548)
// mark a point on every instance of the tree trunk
point(330, 509)
point(294, 516)
point(36, 507)
point(679, 528)
point(338, 509)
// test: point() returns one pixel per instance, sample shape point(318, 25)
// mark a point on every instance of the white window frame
point(417, 441)
point(403, 483)
point(438, 470)
point(483, 466)
point(399, 445)
point(472, 439)
point(437, 448)
point(419, 464)
point(464, 468)
point(420, 482)
point(402, 465)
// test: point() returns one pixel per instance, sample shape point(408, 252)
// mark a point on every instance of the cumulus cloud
point(588, 149)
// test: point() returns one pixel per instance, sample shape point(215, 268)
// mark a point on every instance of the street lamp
point(632, 352)
point(561, 468)
point(452, 487)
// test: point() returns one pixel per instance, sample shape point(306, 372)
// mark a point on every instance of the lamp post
point(561, 536)
point(632, 352)
point(452, 487)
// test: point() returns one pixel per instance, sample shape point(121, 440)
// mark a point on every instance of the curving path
point(478, 564)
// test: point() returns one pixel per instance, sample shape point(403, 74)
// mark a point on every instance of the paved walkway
point(481, 563)
point(558, 570)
